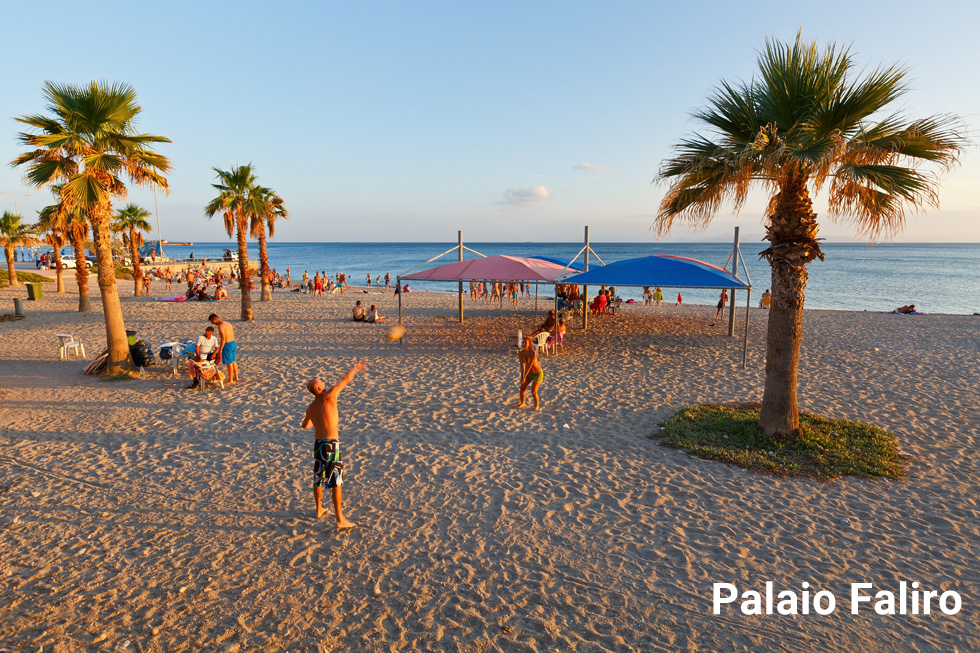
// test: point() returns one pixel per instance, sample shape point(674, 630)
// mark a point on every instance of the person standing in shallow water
point(327, 466)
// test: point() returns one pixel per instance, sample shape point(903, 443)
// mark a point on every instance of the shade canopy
point(492, 268)
point(659, 270)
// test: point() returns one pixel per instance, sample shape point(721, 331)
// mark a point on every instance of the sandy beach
point(137, 515)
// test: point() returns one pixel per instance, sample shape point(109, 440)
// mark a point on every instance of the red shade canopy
point(493, 268)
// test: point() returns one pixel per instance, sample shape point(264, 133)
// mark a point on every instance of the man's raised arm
point(357, 367)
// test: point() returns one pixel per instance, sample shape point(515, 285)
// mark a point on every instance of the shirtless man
point(322, 415)
point(531, 373)
point(229, 348)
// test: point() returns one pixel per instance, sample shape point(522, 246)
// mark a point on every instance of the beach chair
point(208, 374)
point(556, 341)
point(515, 340)
point(541, 342)
point(69, 344)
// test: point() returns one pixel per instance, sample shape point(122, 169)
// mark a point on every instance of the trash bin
point(34, 290)
point(131, 337)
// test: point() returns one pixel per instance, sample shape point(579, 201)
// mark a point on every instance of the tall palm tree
point(72, 225)
point(132, 224)
point(239, 198)
point(260, 222)
point(14, 234)
point(87, 143)
point(803, 122)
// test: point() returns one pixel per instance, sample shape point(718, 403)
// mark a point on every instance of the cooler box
point(34, 290)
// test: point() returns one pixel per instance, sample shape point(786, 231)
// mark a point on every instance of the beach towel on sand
point(173, 298)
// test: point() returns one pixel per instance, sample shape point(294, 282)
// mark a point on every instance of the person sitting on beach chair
point(205, 349)
point(548, 325)
point(358, 312)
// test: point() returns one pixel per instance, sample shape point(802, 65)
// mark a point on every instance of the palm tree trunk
point(264, 269)
point(792, 233)
point(134, 255)
point(57, 265)
point(780, 413)
point(115, 328)
point(244, 283)
point(11, 253)
point(81, 269)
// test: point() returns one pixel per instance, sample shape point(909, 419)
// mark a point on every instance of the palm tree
point(239, 198)
point(87, 144)
point(131, 223)
point(72, 225)
point(275, 208)
point(13, 234)
point(804, 121)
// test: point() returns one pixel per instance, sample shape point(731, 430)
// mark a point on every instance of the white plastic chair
point(70, 345)
point(541, 342)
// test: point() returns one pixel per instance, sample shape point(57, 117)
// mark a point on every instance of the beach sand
point(136, 515)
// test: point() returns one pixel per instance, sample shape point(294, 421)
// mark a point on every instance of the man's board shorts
point(228, 352)
point(327, 468)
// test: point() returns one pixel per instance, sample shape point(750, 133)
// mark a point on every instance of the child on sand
point(327, 466)
point(531, 373)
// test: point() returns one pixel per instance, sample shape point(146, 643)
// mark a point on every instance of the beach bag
point(166, 353)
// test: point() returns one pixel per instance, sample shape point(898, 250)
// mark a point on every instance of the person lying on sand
point(327, 466)
point(906, 309)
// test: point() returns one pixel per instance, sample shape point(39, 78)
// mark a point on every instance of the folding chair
point(209, 374)
point(69, 345)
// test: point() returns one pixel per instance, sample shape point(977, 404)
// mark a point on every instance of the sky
point(510, 121)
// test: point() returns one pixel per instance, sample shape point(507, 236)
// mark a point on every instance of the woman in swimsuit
point(531, 373)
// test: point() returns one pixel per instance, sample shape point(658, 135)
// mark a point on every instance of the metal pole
point(745, 343)
point(535, 301)
point(398, 285)
point(731, 305)
point(159, 233)
point(585, 289)
point(460, 234)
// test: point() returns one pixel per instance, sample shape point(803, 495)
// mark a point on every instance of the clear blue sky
point(514, 121)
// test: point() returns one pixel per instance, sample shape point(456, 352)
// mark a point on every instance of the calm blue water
point(936, 277)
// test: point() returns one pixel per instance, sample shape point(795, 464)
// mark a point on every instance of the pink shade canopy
point(493, 268)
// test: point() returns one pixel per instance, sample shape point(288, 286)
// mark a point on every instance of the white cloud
point(526, 195)
point(592, 168)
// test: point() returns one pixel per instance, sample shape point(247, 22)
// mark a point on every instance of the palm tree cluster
point(14, 234)
point(803, 123)
point(247, 208)
point(86, 144)
point(131, 223)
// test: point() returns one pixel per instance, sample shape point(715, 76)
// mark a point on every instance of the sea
point(936, 277)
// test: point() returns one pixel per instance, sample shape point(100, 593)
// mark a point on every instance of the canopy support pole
point(731, 306)
point(745, 342)
point(398, 289)
point(535, 301)
point(585, 289)
point(460, 234)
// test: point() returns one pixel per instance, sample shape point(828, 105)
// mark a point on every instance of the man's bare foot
point(519, 405)
point(343, 525)
point(320, 512)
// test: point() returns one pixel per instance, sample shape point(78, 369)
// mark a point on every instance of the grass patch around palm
point(827, 450)
point(23, 277)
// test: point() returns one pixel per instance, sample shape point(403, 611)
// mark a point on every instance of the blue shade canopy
point(659, 270)
point(572, 267)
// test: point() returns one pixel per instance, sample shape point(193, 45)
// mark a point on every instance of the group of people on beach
point(217, 348)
